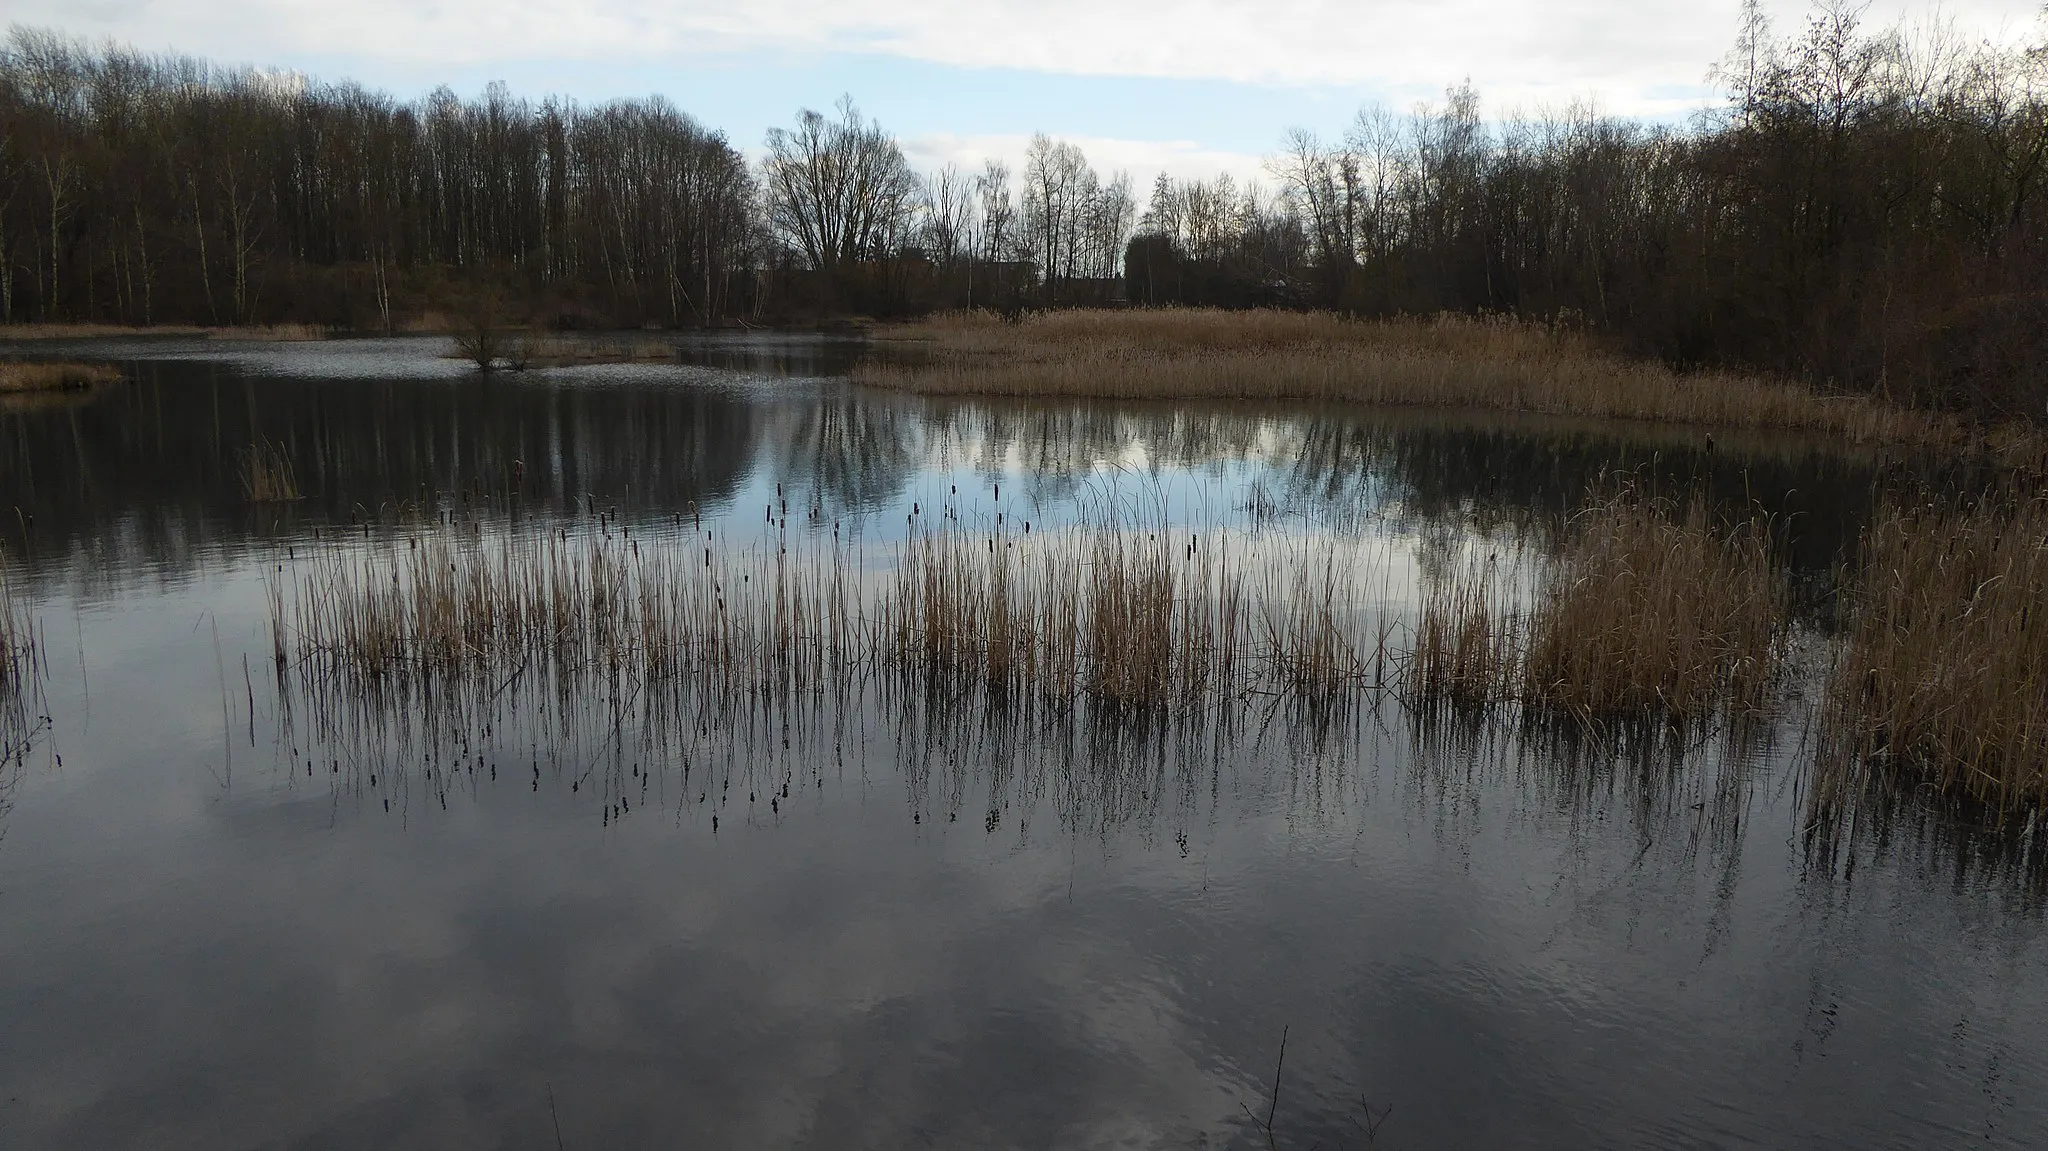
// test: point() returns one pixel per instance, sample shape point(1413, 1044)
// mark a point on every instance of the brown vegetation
point(1121, 615)
point(491, 347)
point(17, 640)
point(487, 345)
point(1649, 609)
point(1448, 361)
point(561, 349)
point(1944, 681)
point(1116, 614)
point(60, 331)
point(21, 671)
point(1465, 651)
point(1644, 611)
point(280, 333)
point(20, 377)
point(267, 475)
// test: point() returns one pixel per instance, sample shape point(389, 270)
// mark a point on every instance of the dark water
point(958, 929)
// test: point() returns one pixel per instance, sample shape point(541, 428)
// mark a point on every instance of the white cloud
point(1632, 56)
point(1143, 159)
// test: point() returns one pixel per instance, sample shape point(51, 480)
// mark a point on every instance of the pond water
point(235, 913)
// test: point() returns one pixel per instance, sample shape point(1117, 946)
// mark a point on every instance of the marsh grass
point(1645, 609)
point(1319, 630)
point(267, 474)
point(1127, 615)
point(1446, 361)
point(1650, 608)
point(21, 674)
point(485, 344)
point(1943, 683)
point(1640, 624)
point(19, 648)
point(448, 606)
point(55, 377)
point(1121, 613)
point(275, 332)
point(562, 349)
point(696, 752)
point(1465, 651)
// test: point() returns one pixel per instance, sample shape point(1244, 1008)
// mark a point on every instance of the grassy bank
point(1266, 355)
point(17, 377)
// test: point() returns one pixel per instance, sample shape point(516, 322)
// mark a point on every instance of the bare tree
point(1323, 182)
point(947, 207)
point(835, 189)
point(1057, 184)
point(998, 210)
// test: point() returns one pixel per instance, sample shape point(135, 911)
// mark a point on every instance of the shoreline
point(1443, 363)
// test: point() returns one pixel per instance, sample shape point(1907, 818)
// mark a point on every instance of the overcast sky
point(1191, 86)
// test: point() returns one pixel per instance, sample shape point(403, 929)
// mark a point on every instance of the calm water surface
point(958, 929)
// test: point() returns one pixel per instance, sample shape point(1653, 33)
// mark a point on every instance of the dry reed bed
point(522, 350)
point(1944, 678)
point(54, 377)
point(444, 605)
point(1268, 355)
point(565, 348)
point(1138, 616)
point(277, 332)
point(1645, 610)
point(1120, 615)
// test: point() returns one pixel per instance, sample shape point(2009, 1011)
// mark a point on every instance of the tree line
point(153, 189)
point(1867, 211)
point(149, 189)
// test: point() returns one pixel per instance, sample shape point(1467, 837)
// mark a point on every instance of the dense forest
point(1867, 210)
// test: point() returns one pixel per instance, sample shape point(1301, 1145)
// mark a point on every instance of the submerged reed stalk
point(1944, 681)
point(1447, 361)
